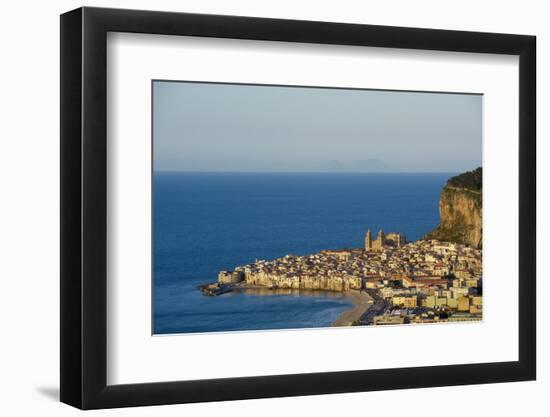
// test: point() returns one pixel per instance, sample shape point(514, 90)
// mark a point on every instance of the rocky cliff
point(460, 210)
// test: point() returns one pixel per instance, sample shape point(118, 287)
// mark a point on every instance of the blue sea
point(207, 222)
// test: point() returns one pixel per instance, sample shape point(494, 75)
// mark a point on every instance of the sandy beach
point(362, 302)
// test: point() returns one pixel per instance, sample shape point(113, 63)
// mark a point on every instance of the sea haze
point(207, 222)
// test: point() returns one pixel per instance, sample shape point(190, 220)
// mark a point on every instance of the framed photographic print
point(257, 207)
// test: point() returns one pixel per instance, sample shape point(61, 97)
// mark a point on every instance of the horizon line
point(305, 172)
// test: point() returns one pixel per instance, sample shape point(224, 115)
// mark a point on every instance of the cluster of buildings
point(422, 281)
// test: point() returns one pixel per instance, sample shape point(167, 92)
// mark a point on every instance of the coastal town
point(395, 281)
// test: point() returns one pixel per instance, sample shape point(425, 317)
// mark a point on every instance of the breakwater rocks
point(215, 288)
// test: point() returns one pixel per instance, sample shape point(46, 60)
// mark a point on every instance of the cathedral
point(383, 240)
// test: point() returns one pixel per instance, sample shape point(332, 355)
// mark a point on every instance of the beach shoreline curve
point(362, 302)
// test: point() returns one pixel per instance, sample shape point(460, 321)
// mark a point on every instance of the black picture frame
point(84, 207)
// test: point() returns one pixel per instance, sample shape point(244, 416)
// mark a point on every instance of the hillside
point(460, 210)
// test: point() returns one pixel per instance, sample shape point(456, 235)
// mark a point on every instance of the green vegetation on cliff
point(471, 180)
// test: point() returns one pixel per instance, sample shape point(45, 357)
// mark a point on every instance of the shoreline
point(362, 301)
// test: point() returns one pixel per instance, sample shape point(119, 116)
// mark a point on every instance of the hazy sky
point(224, 127)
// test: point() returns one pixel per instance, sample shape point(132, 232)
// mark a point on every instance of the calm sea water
point(206, 222)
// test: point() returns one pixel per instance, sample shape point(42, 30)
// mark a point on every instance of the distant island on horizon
point(369, 165)
point(364, 165)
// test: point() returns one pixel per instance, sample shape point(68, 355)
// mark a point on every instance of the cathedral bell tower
point(381, 238)
point(368, 241)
